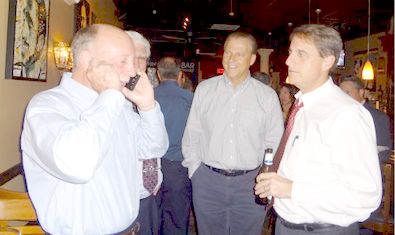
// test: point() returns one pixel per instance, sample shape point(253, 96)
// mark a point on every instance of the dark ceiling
point(269, 20)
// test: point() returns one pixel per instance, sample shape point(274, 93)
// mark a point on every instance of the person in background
point(233, 119)
point(353, 87)
point(263, 77)
point(148, 217)
point(186, 83)
point(287, 98)
point(329, 176)
point(175, 193)
point(81, 139)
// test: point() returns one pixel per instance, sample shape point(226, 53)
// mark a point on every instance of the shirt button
point(231, 125)
point(233, 110)
point(230, 141)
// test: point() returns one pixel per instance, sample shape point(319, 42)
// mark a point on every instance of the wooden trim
point(11, 173)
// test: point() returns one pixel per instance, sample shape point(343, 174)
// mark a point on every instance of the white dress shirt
point(230, 128)
point(331, 157)
point(80, 157)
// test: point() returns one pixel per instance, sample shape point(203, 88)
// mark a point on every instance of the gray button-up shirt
point(230, 127)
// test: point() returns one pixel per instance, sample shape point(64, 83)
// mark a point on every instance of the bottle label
point(268, 159)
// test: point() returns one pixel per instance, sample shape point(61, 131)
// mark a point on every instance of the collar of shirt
point(240, 87)
point(310, 98)
point(87, 94)
point(169, 82)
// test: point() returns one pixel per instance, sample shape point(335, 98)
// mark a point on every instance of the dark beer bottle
point(266, 167)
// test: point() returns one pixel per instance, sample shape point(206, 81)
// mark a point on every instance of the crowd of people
point(100, 158)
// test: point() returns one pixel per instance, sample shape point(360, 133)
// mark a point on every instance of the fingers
point(143, 93)
point(102, 75)
point(272, 184)
point(262, 187)
point(265, 176)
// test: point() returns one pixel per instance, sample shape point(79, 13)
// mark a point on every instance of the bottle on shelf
point(266, 167)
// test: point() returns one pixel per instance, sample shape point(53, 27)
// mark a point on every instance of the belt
point(309, 227)
point(229, 172)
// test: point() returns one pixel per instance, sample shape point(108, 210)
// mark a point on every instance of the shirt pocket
point(310, 162)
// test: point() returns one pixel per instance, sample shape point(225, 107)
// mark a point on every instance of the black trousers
point(175, 199)
point(148, 216)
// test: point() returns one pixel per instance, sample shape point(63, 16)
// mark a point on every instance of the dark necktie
point(150, 174)
point(280, 151)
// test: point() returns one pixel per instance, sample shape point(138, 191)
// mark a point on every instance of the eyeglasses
point(140, 58)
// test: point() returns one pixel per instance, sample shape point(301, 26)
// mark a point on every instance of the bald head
point(97, 38)
point(107, 44)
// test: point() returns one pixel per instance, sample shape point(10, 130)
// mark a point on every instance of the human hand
point(143, 93)
point(102, 76)
point(271, 184)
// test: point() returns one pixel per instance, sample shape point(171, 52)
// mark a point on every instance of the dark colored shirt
point(383, 135)
point(175, 103)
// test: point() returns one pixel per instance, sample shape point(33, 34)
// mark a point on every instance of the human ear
point(252, 60)
point(328, 62)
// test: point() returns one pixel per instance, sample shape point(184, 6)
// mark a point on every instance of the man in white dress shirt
point(329, 176)
point(148, 216)
point(81, 139)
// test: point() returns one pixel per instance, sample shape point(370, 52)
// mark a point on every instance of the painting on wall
point(27, 40)
point(82, 13)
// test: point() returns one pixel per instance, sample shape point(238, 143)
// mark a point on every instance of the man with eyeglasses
point(148, 216)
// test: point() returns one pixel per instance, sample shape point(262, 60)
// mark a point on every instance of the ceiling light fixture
point(367, 71)
point(309, 9)
point(318, 11)
point(231, 13)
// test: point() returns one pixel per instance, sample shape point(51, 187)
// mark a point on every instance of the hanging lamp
point(367, 70)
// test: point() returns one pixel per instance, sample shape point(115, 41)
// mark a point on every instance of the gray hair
point(169, 68)
point(83, 40)
point(326, 39)
point(139, 38)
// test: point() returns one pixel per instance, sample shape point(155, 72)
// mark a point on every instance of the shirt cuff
point(153, 115)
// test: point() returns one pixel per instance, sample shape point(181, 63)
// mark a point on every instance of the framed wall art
point(27, 40)
point(82, 13)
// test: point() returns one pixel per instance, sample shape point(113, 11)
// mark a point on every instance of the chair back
point(382, 220)
point(16, 206)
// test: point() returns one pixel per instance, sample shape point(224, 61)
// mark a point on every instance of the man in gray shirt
point(233, 119)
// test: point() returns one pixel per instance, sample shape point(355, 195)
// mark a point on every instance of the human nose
point(288, 60)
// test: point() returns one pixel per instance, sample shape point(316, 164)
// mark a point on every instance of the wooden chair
point(16, 206)
point(382, 220)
